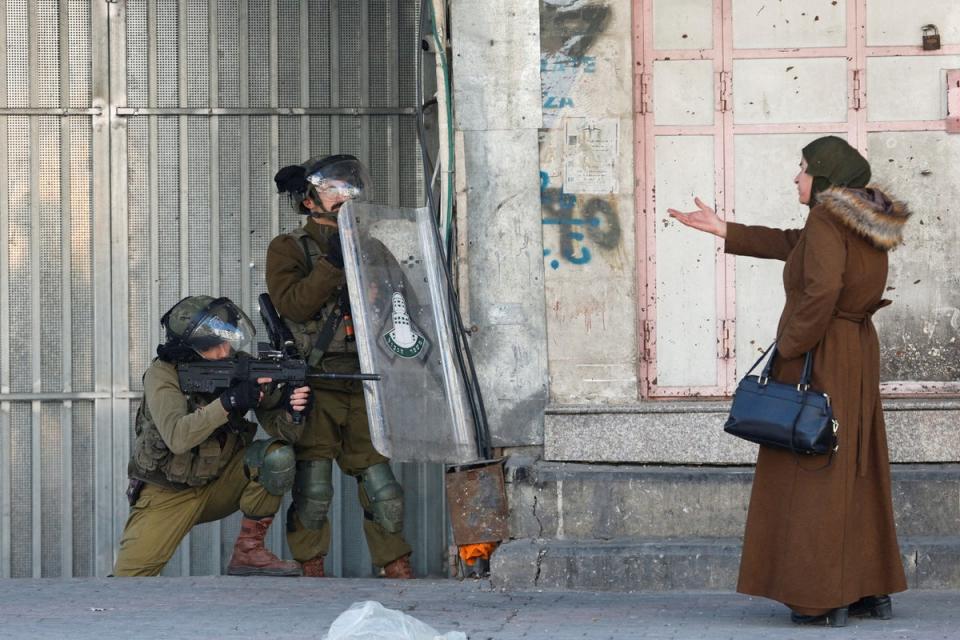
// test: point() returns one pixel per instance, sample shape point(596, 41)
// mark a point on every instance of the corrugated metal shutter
point(121, 194)
point(54, 286)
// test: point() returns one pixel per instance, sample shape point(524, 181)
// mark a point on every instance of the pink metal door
point(726, 94)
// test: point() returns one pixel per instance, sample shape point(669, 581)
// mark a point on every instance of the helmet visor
point(334, 183)
point(223, 322)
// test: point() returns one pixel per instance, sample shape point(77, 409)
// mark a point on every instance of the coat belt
point(868, 391)
point(862, 316)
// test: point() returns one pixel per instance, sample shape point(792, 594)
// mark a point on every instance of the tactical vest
point(308, 334)
point(153, 462)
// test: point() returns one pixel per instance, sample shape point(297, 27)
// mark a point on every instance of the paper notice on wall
point(590, 155)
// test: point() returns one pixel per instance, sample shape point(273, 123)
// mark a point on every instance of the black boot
point(833, 618)
point(873, 606)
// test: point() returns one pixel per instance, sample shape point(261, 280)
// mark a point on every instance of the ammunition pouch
point(152, 460)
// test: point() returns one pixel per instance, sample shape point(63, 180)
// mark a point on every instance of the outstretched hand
point(703, 219)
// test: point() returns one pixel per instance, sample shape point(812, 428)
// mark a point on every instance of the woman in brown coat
point(820, 537)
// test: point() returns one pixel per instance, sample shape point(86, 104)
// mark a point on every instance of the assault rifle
point(281, 362)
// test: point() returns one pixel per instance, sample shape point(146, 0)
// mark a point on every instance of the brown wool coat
point(823, 538)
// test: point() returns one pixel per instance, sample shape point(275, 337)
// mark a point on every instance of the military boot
point(399, 569)
point(313, 568)
point(251, 558)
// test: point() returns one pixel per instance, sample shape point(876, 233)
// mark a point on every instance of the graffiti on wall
point(568, 30)
point(582, 221)
point(558, 76)
point(581, 206)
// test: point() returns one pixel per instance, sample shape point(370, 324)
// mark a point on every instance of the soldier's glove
point(335, 251)
point(241, 397)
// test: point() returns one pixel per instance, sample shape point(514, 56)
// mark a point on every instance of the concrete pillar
point(497, 114)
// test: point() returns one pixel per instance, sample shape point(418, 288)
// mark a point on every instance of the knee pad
point(313, 491)
point(385, 495)
point(272, 464)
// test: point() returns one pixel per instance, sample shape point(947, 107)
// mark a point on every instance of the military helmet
point(204, 322)
point(342, 177)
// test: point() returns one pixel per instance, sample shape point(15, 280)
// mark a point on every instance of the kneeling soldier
point(194, 458)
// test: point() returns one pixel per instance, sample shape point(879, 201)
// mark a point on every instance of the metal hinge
point(725, 347)
point(649, 339)
point(857, 96)
point(645, 99)
point(724, 87)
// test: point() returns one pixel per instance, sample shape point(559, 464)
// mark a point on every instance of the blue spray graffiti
point(597, 219)
point(559, 74)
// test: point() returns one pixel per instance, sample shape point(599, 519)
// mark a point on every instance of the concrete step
point(660, 564)
point(581, 501)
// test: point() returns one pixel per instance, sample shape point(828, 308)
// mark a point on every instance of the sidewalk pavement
point(225, 607)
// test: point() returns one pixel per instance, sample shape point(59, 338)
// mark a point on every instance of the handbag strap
point(760, 359)
point(768, 368)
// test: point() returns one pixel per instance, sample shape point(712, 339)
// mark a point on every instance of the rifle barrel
point(345, 376)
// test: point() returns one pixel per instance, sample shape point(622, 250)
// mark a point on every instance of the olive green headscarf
point(834, 163)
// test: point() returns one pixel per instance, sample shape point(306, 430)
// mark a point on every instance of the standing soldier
point(194, 458)
point(306, 281)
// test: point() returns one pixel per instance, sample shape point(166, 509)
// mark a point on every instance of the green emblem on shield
point(402, 339)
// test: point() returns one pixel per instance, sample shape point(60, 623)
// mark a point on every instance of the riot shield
point(419, 409)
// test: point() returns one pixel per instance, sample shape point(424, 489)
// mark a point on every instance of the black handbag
point(788, 416)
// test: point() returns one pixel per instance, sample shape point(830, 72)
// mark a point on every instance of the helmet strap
point(324, 217)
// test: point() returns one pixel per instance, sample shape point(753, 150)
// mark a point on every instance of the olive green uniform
point(189, 451)
point(337, 427)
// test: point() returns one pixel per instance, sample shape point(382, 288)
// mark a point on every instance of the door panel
point(886, 25)
point(683, 92)
point(686, 267)
point(908, 88)
point(683, 24)
point(759, 24)
point(790, 91)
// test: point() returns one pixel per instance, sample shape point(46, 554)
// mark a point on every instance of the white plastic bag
point(370, 620)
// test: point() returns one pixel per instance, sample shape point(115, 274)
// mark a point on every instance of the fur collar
point(869, 212)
